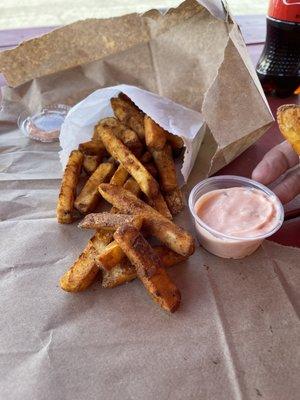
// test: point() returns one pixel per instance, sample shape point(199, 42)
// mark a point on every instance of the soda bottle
point(279, 65)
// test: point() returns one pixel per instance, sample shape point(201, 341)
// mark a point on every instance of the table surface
point(253, 29)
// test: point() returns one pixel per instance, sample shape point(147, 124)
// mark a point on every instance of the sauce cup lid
point(228, 181)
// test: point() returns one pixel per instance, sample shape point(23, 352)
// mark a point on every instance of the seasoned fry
point(165, 230)
point(120, 176)
point(129, 115)
point(85, 269)
point(151, 168)
point(288, 118)
point(146, 157)
point(119, 274)
point(148, 267)
point(175, 201)
point(93, 148)
point(125, 271)
point(175, 141)
point(160, 205)
point(88, 198)
point(111, 256)
point(122, 154)
point(109, 222)
point(132, 186)
point(126, 135)
point(166, 167)
point(167, 256)
point(155, 136)
point(67, 194)
point(90, 163)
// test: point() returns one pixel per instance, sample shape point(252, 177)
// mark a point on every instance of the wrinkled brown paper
point(188, 55)
point(236, 333)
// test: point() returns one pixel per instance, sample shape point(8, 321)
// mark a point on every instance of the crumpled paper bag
point(193, 54)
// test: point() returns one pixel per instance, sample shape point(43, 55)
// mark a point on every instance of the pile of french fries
point(129, 163)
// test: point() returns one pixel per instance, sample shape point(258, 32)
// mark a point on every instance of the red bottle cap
point(285, 10)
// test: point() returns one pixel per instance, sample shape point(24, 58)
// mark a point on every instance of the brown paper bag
point(193, 54)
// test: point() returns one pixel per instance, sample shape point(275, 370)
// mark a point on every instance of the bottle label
point(285, 10)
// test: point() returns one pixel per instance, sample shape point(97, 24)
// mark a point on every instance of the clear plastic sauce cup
point(224, 244)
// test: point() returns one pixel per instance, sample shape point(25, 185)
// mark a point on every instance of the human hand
point(275, 163)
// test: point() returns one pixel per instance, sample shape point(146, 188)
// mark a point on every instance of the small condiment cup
point(224, 245)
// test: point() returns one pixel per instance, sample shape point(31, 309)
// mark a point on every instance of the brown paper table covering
point(235, 336)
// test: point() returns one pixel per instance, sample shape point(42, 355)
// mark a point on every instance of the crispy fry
point(288, 118)
point(109, 222)
point(126, 135)
point(111, 256)
point(165, 230)
point(132, 186)
point(148, 267)
point(129, 115)
point(92, 148)
point(160, 205)
point(146, 157)
point(128, 100)
point(175, 201)
point(120, 176)
point(166, 167)
point(175, 141)
point(155, 136)
point(151, 168)
point(85, 269)
point(88, 198)
point(122, 154)
point(67, 194)
point(167, 256)
point(119, 274)
point(90, 163)
point(125, 271)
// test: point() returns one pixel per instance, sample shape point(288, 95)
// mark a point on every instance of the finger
point(275, 163)
point(289, 187)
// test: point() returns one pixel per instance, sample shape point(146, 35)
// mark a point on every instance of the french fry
point(148, 267)
point(67, 194)
point(146, 157)
point(88, 198)
point(119, 274)
point(166, 167)
point(151, 168)
point(122, 154)
point(111, 256)
point(175, 141)
point(90, 163)
point(175, 201)
point(165, 230)
point(132, 186)
point(155, 136)
point(120, 176)
point(85, 269)
point(288, 118)
point(160, 205)
point(129, 115)
point(125, 271)
point(109, 222)
point(126, 135)
point(92, 148)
